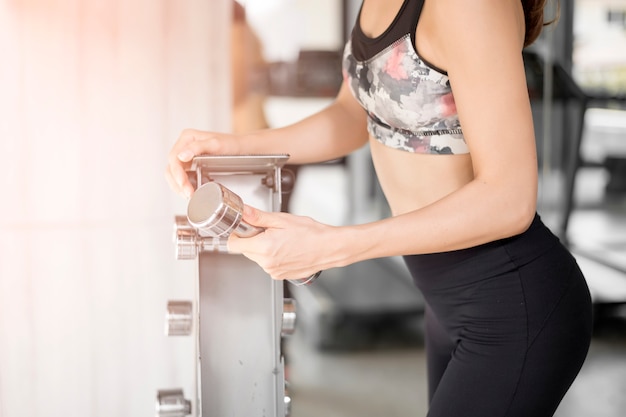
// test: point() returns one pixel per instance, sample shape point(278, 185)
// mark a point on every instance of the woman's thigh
point(521, 345)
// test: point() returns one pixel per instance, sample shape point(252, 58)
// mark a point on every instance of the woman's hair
point(533, 14)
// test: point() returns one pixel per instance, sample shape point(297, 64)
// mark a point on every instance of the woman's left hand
point(291, 247)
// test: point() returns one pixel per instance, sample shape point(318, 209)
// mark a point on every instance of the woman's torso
point(413, 179)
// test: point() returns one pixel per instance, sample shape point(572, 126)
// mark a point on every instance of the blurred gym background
point(93, 95)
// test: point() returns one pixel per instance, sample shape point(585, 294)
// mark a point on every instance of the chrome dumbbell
point(287, 404)
point(179, 318)
point(289, 317)
point(189, 243)
point(172, 403)
point(216, 212)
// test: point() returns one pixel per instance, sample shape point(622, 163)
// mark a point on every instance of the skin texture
point(439, 203)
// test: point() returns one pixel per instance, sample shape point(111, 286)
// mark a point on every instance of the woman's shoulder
point(461, 26)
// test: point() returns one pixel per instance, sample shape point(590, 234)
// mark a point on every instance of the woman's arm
point(479, 43)
point(329, 134)
point(334, 132)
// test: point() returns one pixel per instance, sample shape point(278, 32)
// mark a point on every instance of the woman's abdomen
point(411, 181)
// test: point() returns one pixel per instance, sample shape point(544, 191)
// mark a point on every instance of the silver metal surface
point(240, 317)
point(188, 243)
point(185, 239)
point(238, 164)
point(241, 372)
point(217, 211)
point(305, 281)
point(289, 317)
point(172, 403)
point(287, 405)
point(241, 312)
point(179, 318)
point(214, 210)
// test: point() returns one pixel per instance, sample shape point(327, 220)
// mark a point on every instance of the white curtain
point(92, 96)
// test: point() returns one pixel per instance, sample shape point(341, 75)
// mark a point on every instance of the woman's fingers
point(259, 218)
point(262, 218)
point(211, 144)
point(176, 170)
point(192, 143)
point(289, 248)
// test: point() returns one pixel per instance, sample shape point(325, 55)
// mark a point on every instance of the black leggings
point(508, 325)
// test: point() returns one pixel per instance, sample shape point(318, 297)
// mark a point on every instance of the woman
point(448, 121)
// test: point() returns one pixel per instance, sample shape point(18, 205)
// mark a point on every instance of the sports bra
point(408, 101)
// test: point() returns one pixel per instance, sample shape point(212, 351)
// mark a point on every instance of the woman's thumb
point(261, 218)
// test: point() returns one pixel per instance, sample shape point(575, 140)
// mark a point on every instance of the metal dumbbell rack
point(241, 312)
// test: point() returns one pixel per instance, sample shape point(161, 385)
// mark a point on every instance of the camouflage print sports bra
point(409, 102)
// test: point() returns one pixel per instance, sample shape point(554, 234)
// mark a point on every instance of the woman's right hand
point(191, 143)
